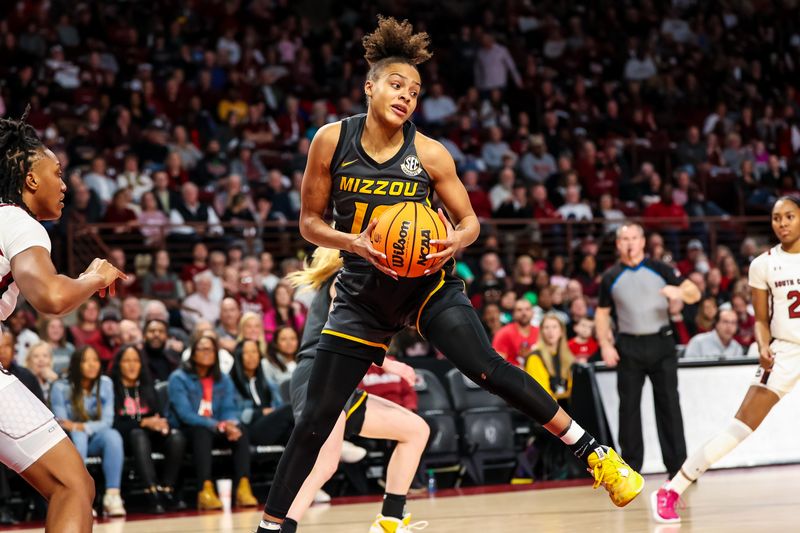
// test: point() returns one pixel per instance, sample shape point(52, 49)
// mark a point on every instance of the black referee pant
point(650, 356)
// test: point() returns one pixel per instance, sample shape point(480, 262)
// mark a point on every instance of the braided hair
point(20, 148)
point(394, 42)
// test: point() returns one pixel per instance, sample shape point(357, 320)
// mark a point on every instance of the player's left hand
point(452, 244)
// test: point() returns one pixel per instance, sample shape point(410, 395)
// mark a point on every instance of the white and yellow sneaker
point(388, 524)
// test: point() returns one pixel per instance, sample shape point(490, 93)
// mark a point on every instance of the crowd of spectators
point(190, 123)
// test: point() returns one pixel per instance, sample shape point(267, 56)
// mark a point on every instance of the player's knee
point(494, 374)
point(421, 431)
point(77, 482)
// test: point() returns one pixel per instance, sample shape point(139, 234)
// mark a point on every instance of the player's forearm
point(602, 325)
point(468, 229)
point(61, 294)
point(316, 231)
point(763, 335)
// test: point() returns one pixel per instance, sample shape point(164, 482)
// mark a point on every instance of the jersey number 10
point(360, 215)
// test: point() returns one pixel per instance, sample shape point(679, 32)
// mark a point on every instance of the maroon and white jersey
point(18, 232)
point(779, 273)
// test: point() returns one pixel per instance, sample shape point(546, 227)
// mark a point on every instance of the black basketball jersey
point(363, 188)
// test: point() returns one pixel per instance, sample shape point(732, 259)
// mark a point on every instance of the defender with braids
point(383, 149)
point(31, 441)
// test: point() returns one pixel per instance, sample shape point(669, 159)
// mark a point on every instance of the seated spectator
point(203, 404)
point(161, 283)
point(20, 322)
point(143, 425)
point(84, 406)
point(546, 305)
point(265, 270)
point(666, 217)
point(152, 220)
point(490, 318)
point(251, 297)
point(503, 191)
point(706, 314)
point(199, 264)
point(260, 405)
point(537, 165)
point(199, 306)
point(240, 214)
point(514, 341)
point(478, 197)
point(40, 363)
point(588, 276)
point(281, 351)
point(516, 207)
point(159, 359)
point(87, 329)
point(438, 108)
point(583, 345)
point(190, 210)
point(573, 208)
point(494, 149)
point(206, 329)
point(109, 340)
point(132, 179)
point(55, 334)
point(550, 361)
point(285, 312)
point(121, 215)
point(613, 217)
point(745, 333)
point(9, 363)
point(228, 327)
point(695, 259)
point(130, 332)
point(719, 342)
point(383, 384)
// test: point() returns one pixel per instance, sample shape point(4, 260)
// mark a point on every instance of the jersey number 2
point(793, 307)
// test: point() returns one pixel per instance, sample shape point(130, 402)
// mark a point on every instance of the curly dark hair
point(394, 42)
point(20, 148)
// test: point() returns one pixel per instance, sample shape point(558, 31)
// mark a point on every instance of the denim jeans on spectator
point(107, 444)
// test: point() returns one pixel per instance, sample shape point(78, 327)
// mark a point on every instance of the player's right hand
point(610, 356)
point(107, 273)
point(766, 358)
point(362, 245)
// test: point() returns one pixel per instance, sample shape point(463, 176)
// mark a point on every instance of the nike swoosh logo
point(349, 163)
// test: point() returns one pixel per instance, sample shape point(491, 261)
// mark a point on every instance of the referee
point(638, 290)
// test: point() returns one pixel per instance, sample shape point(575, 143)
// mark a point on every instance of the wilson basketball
point(404, 233)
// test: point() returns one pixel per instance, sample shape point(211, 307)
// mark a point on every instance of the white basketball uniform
point(27, 427)
point(779, 273)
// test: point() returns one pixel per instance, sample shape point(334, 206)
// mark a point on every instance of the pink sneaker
point(663, 503)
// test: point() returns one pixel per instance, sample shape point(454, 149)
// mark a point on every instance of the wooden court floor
point(746, 500)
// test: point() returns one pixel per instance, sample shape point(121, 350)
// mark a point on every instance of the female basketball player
point(365, 415)
point(778, 337)
point(363, 164)
point(31, 441)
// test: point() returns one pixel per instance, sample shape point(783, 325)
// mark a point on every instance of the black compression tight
point(458, 333)
point(460, 336)
point(333, 379)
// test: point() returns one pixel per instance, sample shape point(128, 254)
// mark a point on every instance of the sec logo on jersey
point(411, 166)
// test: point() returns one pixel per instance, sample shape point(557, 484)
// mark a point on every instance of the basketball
point(404, 233)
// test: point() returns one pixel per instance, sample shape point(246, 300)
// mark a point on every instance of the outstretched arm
point(52, 293)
